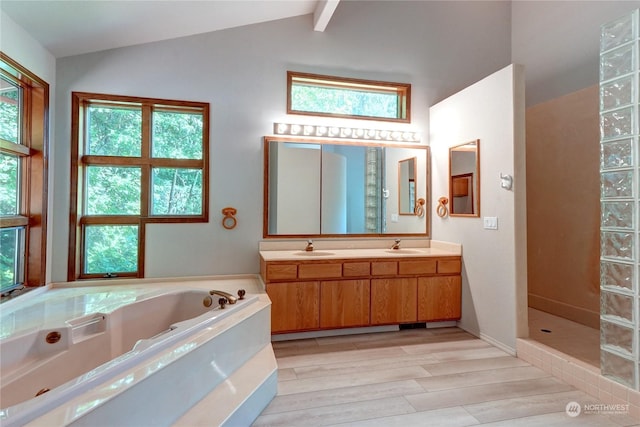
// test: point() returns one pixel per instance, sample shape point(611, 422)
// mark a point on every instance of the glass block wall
point(620, 201)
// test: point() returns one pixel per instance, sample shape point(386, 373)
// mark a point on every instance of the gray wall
point(438, 47)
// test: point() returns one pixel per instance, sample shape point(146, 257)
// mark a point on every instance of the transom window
point(318, 95)
point(135, 161)
point(24, 101)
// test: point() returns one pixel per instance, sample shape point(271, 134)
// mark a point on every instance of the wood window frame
point(33, 153)
point(77, 221)
point(402, 90)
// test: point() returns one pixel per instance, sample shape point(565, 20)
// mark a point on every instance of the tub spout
point(227, 295)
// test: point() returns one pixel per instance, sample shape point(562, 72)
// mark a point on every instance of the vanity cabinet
point(344, 303)
point(295, 306)
point(309, 295)
point(394, 301)
point(439, 298)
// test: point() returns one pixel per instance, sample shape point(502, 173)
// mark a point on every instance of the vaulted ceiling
point(66, 27)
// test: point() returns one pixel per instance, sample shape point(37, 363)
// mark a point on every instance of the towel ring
point(442, 209)
point(229, 221)
point(419, 209)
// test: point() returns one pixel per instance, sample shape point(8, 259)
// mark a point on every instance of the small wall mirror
point(464, 179)
point(407, 186)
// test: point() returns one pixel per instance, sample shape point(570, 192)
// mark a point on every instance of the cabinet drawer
point(449, 266)
point(281, 271)
point(425, 266)
point(321, 271)
point(384, 268)
point(352, 269)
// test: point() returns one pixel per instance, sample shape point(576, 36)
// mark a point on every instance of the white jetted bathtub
point(137, 352)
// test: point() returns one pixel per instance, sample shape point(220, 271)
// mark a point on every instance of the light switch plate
point(491, 222)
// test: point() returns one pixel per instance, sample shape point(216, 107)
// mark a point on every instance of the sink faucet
point(396, 245)
point(227, 295)
point(309, 247)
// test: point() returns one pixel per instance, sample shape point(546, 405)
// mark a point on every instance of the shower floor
point(571, 338)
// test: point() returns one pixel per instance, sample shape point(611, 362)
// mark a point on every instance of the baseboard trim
point(557, 308)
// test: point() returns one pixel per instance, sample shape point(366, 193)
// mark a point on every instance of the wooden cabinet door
point(393, 301)
point(344, 303)
point(294, 306)
point(439, 298)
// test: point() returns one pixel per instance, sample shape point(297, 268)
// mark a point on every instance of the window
point(24, 106)
point(318, 95)
point(134, 161)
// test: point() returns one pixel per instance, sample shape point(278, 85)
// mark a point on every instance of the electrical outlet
point(490, 222)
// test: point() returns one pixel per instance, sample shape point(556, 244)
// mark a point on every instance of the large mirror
point(464, 179)
point(331, 188)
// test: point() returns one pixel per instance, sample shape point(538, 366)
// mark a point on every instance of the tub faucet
point(396, 245)
point(227, 295)
point(309, 247)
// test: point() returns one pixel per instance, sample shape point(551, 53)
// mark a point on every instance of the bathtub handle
point(241, 293)
point(222, 301)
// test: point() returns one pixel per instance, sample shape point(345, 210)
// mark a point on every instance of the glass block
point(617, 368)
point(616, 154)
point(615, 124)
point(616, 305)
point(617, 184)
point(616, 33)
point(617, 93)
point(617, 214)
point(616, 245)
point(617, 275)
point(617, 63)
point(616, 336)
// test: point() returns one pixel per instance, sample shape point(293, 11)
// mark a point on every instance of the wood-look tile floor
point(574, 339)
point(418, 377)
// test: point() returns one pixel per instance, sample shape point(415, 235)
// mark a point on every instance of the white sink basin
point(314, 253)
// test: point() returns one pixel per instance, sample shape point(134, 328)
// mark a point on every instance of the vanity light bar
point(345, 132)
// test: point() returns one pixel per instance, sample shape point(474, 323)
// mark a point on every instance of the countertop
point(329, 254)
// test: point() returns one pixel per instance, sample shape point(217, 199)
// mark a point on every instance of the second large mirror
point(339, 188)
point(464, 179)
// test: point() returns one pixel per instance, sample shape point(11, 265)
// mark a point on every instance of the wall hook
point(506, 181)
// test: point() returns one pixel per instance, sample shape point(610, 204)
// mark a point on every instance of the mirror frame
point(327, 141)
point(476, 185)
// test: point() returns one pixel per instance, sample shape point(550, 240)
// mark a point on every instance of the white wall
point(494, 261)
point(242, 73)
point(24, 49)
point(558, 43)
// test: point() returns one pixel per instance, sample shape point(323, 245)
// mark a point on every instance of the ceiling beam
point(323, 13)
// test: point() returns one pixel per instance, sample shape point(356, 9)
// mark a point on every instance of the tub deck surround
point(196, 356)
point(363, 284)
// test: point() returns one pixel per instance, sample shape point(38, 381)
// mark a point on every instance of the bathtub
point(142, 352)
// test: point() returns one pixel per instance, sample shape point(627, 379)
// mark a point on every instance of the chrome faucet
point(396, 245)
point(227, 295)
point(309, 247)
